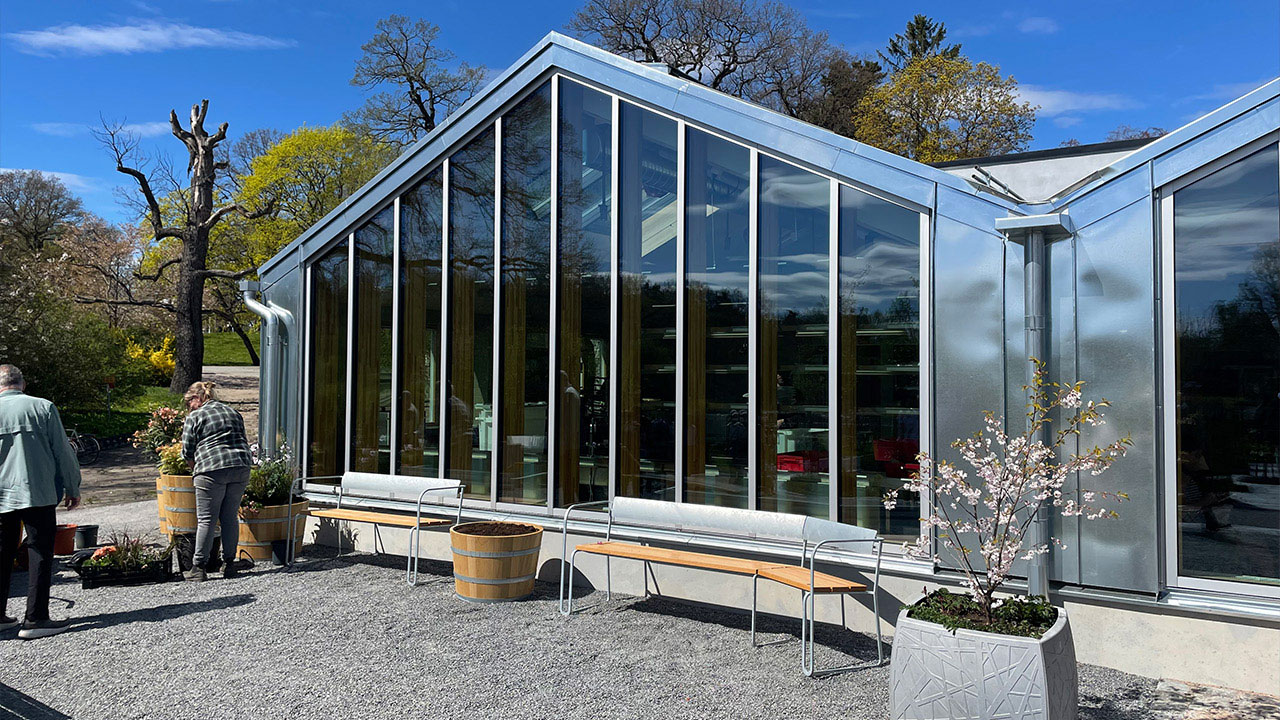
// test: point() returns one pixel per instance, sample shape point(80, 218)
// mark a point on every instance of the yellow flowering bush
point(159, 359)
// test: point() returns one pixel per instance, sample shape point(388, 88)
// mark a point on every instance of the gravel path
point(347, 638)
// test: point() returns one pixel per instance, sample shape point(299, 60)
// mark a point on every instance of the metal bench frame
point(807, 597)
point(298, 488)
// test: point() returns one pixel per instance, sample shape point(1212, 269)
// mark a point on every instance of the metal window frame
point(753, 333)
point(682, 424)
point(615, 285)
point(496, 431)
point(1168, 382)
point(553, 324)
point(351, 347)
point(834, 449)
point(393, 428)
point(445, 335)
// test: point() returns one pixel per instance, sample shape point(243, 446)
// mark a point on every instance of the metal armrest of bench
point(808, 609)
point(564, 546)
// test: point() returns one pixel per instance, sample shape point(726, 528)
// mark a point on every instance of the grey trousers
point(218, 494)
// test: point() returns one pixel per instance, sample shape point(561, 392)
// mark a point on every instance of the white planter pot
point(974, 675)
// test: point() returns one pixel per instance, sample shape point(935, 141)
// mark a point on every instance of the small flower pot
point(938, 674)
point(86, 536)
point(64, 540)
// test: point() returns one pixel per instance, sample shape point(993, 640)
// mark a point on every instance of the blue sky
point(268, 63)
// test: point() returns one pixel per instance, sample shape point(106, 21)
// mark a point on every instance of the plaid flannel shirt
point(213, 438)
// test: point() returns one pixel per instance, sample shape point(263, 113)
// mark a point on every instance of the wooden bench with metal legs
point(803, 577)
point(363, 487)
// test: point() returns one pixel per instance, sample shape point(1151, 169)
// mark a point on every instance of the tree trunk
point(244, 338)
point(188, 354)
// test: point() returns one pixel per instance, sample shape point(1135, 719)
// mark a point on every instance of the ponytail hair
point(201, 390)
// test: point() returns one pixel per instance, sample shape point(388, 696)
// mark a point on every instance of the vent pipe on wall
point(1034, 232)
point(267, 375)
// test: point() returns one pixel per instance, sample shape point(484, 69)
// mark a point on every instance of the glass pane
point(526, 298)
point(647, 305)
point(879, 361)
point(327, 404)
point(421, 230)
point(1226, 274)
point(582, 237)
point(470, 403)
point(717, 262)
point(371, 379)
point(794, 285)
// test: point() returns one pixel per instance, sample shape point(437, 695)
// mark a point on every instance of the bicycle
point(86, 446)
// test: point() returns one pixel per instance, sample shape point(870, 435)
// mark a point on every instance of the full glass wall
point(526, 299)
point(371, 353)
point(793, 344)
point(583, 233)
point(326, 429)
point(717, 307)
point(525, 215)
point(421, 236)
point(647, 286)
point(1226, 233)
point(469, 421)
point(879, 370)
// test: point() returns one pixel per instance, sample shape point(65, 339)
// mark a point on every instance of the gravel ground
point(347, 638)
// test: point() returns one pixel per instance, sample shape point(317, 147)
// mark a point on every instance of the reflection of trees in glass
point(371, 377)
point(421, 232)
point(326, 422)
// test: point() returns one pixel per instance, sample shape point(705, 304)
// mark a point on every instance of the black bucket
point(279, 552)
point(185, 547)
point(86, 536)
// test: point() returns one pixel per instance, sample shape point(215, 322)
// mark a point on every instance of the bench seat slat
point(676, 557)
point(378, 518)
point(798, 577)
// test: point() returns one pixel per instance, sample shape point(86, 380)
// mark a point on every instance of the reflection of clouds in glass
point(884, 272)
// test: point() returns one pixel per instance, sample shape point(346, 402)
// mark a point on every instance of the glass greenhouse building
point(598, 280)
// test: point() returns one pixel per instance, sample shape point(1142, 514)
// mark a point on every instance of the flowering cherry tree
point(1016, 477)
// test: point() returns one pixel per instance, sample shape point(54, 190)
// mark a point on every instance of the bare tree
point(759, 50)
point(195, 215)
point(405, 56)
point(35, 209)
point(1129, 132)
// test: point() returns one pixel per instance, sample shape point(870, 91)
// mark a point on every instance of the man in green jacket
point(37, 470)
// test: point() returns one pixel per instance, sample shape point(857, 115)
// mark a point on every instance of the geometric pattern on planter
point(970, 675)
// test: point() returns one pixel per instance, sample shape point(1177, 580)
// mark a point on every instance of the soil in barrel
point(495, 529)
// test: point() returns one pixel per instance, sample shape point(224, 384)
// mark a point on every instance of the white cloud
point(1060, 102)
point(67, 129)
point(148, 36)
point(1226, 92)
point(1038, 25)
point(1066, 121)
point(75, 183)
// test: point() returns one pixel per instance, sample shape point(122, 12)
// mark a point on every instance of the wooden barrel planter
point(495, 561)
point(178, 503)
point(164, 520)
point(270, 524)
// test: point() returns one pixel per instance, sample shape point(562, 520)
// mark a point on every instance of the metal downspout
point(267, 432)
point(1034, 265)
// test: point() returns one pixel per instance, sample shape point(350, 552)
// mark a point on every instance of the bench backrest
point(713, 520)
point(403, 488)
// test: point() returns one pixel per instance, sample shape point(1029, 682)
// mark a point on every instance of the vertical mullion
point(495, 433)
point(1170, 390)
point(834, 458)
point(753, 335)
point(615, 259)
point(442, 399)
point(308, 369)
point(351, 323)
point(928, 225)
point(393, 442)
point(681, 420)
point(553, 326)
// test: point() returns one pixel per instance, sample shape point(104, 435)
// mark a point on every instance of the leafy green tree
point(302, 177)
point(922, 39)
point(405, 56)
point(938, 109)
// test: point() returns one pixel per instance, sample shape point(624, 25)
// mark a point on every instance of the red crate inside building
point(803, 461)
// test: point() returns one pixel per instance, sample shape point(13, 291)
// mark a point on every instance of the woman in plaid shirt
point(214, 444)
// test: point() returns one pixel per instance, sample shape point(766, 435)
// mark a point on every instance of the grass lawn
point(226, 348)
point(124, 418)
